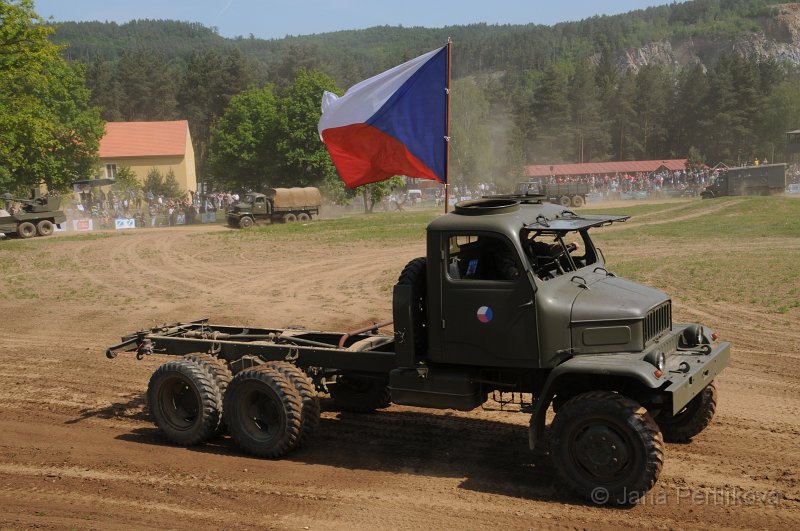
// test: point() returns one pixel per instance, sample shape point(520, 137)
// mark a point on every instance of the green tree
point(552, 110)
point(210, 81)
point(127, 180)
point(244, 144)
point(48, 131)
point(304, 161)
point(591, 140)
point(153, 182)
point(171, 187)
point(653, 93)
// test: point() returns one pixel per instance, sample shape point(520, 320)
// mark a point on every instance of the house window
point(111, 171)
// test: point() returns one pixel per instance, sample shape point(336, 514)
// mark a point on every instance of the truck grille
point(658, 321)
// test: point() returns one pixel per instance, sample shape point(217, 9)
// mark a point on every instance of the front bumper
point(690, 372)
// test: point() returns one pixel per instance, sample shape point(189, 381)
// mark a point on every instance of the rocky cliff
point(779, 38)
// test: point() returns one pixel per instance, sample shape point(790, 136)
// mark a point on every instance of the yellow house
point(142, 146)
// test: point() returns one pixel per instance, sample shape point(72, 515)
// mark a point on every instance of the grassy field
point(743, 249)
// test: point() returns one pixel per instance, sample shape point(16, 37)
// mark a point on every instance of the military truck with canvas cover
point(275, 204)
point(38, 217)
point(514, 304)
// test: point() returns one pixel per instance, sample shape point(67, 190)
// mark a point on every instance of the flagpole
point(447, 156)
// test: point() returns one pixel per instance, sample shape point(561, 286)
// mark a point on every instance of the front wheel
point(26, 230)
point(692, 419)
point(606, 447)
point(246, 222)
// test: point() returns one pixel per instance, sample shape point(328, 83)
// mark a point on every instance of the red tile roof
point(144, 139)
point(632, 166)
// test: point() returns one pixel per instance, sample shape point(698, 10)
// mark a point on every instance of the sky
point(268, 19)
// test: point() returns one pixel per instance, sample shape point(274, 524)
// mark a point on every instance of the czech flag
point(395, 123)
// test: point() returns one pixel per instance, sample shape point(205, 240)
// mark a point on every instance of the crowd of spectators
point(681, 181)
point(145, 208)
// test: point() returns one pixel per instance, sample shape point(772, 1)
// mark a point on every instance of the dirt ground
point(77, 449)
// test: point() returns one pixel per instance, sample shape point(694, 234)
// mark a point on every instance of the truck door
point(488, 305)
point(260, 205)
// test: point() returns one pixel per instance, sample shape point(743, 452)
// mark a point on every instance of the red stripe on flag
point(364, 154)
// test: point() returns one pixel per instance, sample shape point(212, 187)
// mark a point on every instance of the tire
point(692, 419)
point(606, 447)
point(221, 374)
point(578, 201)
point(360, 395)
point(414, 274)
point(564, 201)
point(246, 222)
point(26, 230)
point(263, 412)
point(289, 218)
point(302, 216)
point(44, 227)
point(184, 401)
point(305, 388)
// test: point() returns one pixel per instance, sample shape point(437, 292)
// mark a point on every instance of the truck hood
point(614, 298)
point(242, 206)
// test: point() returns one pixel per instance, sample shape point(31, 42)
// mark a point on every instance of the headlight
point(692, 336)
point(660, 361)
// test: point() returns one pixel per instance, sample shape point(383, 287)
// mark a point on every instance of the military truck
point(766, 179)
point(275, 204)
point(514, 302)
point(565, 194)
point(38, 217)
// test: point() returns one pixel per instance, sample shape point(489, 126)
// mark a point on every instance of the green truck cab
point(549, 321)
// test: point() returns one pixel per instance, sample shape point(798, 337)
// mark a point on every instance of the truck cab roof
point(509, 216)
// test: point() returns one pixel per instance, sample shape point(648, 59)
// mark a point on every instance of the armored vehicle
point(513, 303)
point(38, 216)
point(276, 204)
point(766, 179)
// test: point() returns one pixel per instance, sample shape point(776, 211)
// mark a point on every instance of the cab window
point(482, 257)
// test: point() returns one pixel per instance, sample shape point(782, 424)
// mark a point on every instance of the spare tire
point(414, 274)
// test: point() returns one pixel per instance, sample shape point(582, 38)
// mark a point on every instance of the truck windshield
point(554, 253)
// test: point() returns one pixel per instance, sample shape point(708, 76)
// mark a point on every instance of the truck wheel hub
point(601, 451)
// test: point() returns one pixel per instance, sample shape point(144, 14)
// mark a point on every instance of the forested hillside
point(714, 80)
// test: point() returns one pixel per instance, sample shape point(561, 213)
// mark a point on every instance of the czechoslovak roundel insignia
point(484, 314)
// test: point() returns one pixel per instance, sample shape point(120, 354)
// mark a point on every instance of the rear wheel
point(606, 447)
point(302, 216)
point(26, 229)
point(264, 412)
point(360, 395)
point(219, 371)
point(246, 222)
point(564, 201)
point(692, 419)
point(577, 201)
point(184, 401)
point(44, 227)
point(305, 388)
point(289, 218)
